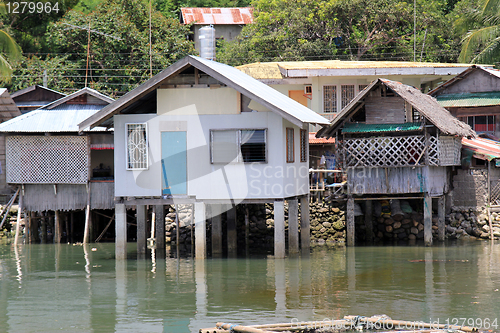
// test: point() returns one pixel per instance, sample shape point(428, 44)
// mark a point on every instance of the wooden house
point(35, 97)
point(57, 169)
point(394, 141)
point(205, 133)
point(8, 110)
point(474, 97)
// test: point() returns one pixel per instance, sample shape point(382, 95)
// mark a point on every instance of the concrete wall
point(274, 179)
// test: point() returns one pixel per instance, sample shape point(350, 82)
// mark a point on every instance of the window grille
point(248, 145)
point(47, 159)
point(303, 145)
point(347, 92)
point(361, 87)
point(289, 145)
point(137, 147)
point(329, 99)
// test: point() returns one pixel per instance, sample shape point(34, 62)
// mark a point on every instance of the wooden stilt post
point(305, 228)
point(293, 226)
point(66, 226)
point(279, 229)
point(216, 211)
point(57, 227)
point(200, 230)
point(160, 231)
point(120, 231)
point(44, 218)
point(368, 221)
point(86, 231)
point(247, 230)
point(427, 220)
point(350, 228)
point(28, 228)
point(19, 211)
point(141, 231)
point(441, 224)
point(34, 228)
point(232, 236)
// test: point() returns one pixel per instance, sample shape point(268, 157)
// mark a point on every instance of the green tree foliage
point(9, 51)
point(481, 20)
point(119, 43)
point(349, 29)
point(29, 29)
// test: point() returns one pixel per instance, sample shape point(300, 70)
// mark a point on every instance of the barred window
point(137, 147)
point(347, 92)
point(248, 145)
point(329, 99)
point(361, 87)
point(289, 145)
point(303, 145)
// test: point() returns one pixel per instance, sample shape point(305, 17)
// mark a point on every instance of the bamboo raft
point(348, 323)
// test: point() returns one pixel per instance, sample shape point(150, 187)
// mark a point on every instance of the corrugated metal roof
point(48, 121)
point(242, 15)
point(313, 140)
point(378, 128)
point(469, 99)
point(255, 90)
point(8, 108)
point(279, 70)
point(82, 91)
point(32, 88)
point(485, 149)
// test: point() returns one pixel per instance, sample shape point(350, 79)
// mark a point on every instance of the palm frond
point(5, 70)
point(474, 39)
point(490, 53)
point(8, 47)
point(491, 7)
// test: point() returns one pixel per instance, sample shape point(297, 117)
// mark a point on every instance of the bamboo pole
point(240, 329)
point(490, 223)
point(105, 229)
point(87, 218)
point(18, 227)
point(8, 208)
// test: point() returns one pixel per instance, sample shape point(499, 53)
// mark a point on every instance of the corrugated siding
point(469, 99)
point(41, 197)
point(207, 16)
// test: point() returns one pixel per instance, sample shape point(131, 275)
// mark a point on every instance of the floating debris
point(379, 323)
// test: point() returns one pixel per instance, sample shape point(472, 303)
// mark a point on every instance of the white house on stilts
point(204, 133)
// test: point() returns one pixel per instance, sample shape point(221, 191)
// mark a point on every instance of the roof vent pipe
point(207, 42)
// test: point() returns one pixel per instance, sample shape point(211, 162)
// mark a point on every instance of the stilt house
point(202, 132)
point(57, 168)
point(394, 141)
point(35, 97)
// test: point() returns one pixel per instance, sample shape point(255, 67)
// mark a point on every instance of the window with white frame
point(329, 99)
point(137, 147)
point(290, 158)
point(347, 92)
point(245, 145)
point(303, 145)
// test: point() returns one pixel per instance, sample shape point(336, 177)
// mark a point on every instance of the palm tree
point(9, 51)
point(485, 36)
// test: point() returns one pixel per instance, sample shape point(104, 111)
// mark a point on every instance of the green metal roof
point(377, 128)
point(469, 99)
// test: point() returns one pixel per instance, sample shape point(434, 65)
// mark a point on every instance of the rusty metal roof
point(313, 140)
point(280, 70)
point(242, 15)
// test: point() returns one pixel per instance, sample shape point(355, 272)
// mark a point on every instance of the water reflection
point(73, 288)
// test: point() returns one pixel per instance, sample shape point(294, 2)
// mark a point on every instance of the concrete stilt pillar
point(350, 229)
point(121, 231)
point(160, 231)
point(141, 231)
point(293, 226)
point(368, 221)
point(427, 220)
point(279, 229)
point(441, 213)
point(57, 227)
point(216, 210)
point(200, 230)
point(232, 236)
point(305, 227)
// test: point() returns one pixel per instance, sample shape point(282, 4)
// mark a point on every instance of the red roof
point(313, 140)
point(217, 15)
point(483, 148)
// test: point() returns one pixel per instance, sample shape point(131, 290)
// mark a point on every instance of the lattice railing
point(495, 192)
point(47, 159)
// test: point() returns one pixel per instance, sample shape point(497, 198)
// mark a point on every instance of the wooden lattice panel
point(47, 159)
point(495, 193)
point(449, 148)
point(433, 151)
point(384, 151)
